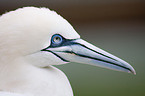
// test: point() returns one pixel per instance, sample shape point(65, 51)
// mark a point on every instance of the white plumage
point(31, 41)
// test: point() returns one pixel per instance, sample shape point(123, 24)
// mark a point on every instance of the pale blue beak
point(81, 51)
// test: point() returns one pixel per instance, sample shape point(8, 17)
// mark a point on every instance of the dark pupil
point(56, 39)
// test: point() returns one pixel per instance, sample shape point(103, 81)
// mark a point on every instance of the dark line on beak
point(94, 51)
point(96, 59)
point(56, 55)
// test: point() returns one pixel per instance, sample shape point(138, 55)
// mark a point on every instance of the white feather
point(23, 33)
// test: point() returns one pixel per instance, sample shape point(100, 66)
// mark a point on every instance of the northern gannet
point(31, 41)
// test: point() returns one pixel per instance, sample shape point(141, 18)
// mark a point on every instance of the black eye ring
point(56, 39)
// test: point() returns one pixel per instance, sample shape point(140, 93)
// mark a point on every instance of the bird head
point(42, 38)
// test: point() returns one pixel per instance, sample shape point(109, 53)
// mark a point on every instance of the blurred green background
point(117, 26)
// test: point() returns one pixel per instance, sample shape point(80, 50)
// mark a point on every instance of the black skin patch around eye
point(63, 43)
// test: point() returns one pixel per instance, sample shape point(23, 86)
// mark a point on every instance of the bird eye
point(56, 39)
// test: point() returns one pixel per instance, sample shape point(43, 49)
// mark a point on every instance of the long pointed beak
point(81, 51)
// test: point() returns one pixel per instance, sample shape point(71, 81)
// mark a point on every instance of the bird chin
point(43, 59)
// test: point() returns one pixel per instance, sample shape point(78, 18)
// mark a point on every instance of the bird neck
point(12, 71)
point(21, 77)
